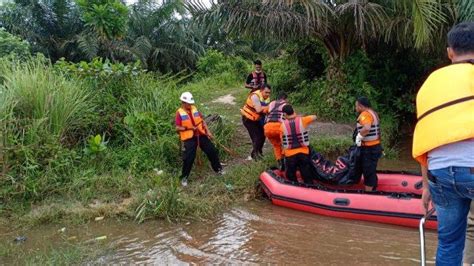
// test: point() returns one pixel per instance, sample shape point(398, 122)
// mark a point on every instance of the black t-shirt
point(250, 77)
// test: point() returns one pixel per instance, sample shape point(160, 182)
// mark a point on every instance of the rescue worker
point(193, 132)
point(295, 141)
point(252, 113)
point(257, 79)
point(368, 139)
point(273, 124)
point(443, 143)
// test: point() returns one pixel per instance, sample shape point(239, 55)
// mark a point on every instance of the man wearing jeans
point(469, 248)
point(443, 143)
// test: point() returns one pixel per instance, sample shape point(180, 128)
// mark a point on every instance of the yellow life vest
point(445, 109)
point(188, 123)
point(249, 110)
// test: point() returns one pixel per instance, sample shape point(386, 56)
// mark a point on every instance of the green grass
point(66, 254)
point(329, 145)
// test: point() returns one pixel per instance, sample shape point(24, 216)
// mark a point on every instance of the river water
point(254, 233)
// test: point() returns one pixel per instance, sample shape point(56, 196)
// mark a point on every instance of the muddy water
point(255, 233)
point(404, 161)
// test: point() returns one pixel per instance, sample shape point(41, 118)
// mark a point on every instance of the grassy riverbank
point(96, 139)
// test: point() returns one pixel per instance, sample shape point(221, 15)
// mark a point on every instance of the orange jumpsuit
point(272, 132)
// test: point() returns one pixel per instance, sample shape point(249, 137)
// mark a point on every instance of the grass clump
point(67, 254)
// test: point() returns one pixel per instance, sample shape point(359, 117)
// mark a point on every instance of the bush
point(12, 45)
point(284, 74)
point(214, 63)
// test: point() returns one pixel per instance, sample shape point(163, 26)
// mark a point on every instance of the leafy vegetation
point(10, 44)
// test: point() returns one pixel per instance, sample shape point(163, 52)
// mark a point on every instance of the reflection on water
point(256, 233)
point(404, 161)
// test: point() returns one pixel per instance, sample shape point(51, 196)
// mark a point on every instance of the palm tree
point(106, 26)
point(49, 26)
point(161, 36)
point(342, 26)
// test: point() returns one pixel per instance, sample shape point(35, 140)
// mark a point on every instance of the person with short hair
point(295, 143)
point(194, 133)
point(272, 125)
point(443, 143)
point(257, 79)
point(254, 109)
point(368, 139)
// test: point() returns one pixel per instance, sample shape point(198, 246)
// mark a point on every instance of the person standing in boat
point(257, 79)
point(368, 139)
point(295, 141)
point(273, 123)
point(193, 132)
point(443, 143)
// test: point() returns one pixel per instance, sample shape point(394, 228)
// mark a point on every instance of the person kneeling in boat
point(193, 132)
point(368, 138)
point(295, 142)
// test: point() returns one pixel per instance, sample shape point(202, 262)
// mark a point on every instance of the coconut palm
point(161, 36)
point(49, 26)
point(106, 26)
point(342, 26)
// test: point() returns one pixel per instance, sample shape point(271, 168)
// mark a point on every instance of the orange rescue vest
point(249, 110)
point(374, 132)
point(187, 122)
point(295, 135)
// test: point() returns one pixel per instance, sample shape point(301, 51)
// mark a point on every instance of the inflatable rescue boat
point(396, 201)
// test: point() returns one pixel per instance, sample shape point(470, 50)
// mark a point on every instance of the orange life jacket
point(275, 111)
point(249, 110)
point(374, 132)
point(295, 135)
point(187, 122)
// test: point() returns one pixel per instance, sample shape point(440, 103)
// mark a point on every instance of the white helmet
point(187, 97)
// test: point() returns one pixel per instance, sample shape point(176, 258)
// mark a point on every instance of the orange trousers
point(272, 132)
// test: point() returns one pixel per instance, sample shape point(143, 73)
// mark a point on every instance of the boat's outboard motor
point(342, 172)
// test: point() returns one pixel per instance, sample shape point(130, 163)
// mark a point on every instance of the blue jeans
point(452, 190)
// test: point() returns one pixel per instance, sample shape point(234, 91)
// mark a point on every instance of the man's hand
point(210, 136)
point(358, 140)
point(426, 199)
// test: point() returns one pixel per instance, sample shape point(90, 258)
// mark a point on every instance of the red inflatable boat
point(397, 201)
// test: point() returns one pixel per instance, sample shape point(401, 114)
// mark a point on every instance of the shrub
point(284, 74)
point(12, 45)
point(214, 62)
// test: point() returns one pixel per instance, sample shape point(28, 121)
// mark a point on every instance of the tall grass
point(44, 101)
